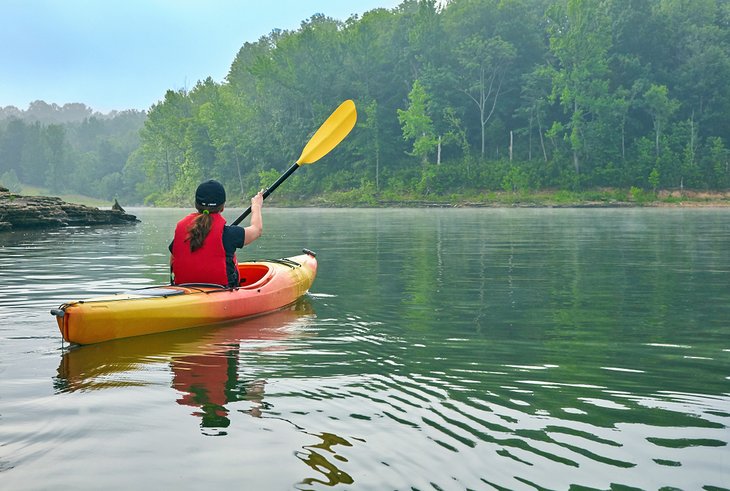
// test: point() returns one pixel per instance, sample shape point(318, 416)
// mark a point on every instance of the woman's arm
point(254, 230)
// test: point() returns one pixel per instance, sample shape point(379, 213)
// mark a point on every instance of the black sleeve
point(233, 237)
point(170, 246)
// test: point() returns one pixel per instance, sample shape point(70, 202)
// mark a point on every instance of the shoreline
point(599, 198)
point(19, 211)
point(464, 205)
point(549, 199)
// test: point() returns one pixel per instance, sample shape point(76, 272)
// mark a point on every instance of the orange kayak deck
point(265, 286)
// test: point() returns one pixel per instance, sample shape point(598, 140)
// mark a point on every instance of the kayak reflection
point(204, 362)
point(210, 381)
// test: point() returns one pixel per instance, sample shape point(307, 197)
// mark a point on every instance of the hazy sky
point(124, 54)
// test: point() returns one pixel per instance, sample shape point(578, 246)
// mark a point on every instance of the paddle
point(327, 137)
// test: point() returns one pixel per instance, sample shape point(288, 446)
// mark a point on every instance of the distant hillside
point(70, 149)
point(45, 113)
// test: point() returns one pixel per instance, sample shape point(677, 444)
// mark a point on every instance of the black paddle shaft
point(269, 190)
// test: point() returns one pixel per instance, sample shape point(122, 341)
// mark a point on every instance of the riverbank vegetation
point(462, 102)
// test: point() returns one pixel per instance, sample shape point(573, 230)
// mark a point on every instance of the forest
point(457, 98)
point(68, 149)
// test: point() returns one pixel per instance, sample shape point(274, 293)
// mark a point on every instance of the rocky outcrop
point(18, 211)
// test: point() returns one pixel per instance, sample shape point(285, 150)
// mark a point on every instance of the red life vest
point(205, 265)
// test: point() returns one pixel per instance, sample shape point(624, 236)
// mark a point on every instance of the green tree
point(57, 175)
point(373, 143)
point(536, 90)
point(229, 126)
point(580, 39)
point(654, 179)
point(163, 139)
point(33, 158)
point(417, 124)
point(483, 64)
point(718, 164)
point(11, 146)
point(661, 107)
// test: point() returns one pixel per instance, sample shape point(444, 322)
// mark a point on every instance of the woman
point(204, 247)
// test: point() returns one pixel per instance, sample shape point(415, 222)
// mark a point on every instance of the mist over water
point(438, 349)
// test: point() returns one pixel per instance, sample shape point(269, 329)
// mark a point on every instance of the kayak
point(265, 286)
point(108, 365)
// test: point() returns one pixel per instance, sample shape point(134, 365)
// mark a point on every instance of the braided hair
point(200, 228)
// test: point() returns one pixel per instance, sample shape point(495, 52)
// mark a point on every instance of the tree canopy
point(69, 149)
point(453, 97)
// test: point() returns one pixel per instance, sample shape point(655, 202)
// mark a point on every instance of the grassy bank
point(69, 198)
point(359, 198)
point(601, 198)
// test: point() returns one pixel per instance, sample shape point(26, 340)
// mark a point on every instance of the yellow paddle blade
point(330, 134)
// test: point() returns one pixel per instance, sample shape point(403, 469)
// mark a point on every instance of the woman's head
point(210, 195)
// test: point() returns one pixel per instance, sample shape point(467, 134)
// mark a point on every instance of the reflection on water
point(315, 456)
point(204, 361)
point(207, 374)
point(439, 349)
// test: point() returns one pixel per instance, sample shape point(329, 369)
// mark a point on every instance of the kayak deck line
point(284, 261)
point(266, 285)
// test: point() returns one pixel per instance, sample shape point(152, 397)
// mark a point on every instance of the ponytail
point(200, 227)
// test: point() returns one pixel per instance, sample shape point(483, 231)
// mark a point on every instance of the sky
point(124, 54)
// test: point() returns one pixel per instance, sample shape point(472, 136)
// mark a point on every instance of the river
point(437, 350)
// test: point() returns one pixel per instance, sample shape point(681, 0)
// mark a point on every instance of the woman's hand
point(258, 200)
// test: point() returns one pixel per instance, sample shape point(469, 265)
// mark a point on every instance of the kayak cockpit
point(253, 275)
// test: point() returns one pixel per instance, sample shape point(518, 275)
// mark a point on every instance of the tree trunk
point(167, 169)
point(238, 168)
point(377, 165)
point(483, 123)
point(692, 139)
point(576, 162)
point(511, 142)
point(529, 141)
point(542, 141)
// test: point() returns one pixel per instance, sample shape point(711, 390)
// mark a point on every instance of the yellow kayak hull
point(105, 365)
point(265, 286)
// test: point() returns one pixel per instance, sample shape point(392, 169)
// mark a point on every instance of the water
point(438, 349)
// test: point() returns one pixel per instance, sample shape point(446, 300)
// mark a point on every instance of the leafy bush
point(516, 180)
point(640, 196)
point(563, 196)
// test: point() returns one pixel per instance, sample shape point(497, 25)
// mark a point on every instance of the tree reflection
point(207, 375)
point(313, 456)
